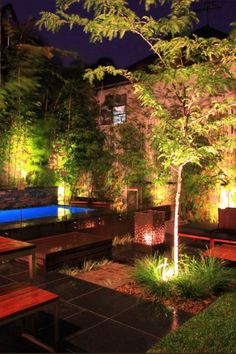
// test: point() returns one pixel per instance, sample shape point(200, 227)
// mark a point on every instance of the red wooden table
point(227, 252)
point(21, 300)
point(12, 249)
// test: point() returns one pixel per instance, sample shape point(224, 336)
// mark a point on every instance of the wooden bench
point(72, 247)
point(212, 239)
point(224, 233)
point(20, 300)
point(225, 252)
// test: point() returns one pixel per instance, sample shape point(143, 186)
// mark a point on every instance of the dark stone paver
point(85, 319)
point(70, 326)
point(106, 302)
point(42, 277)
point(12, 267)
point(11, 342)
point(69, 288)
point(92, 318)
point(153, 318)
point(66, 309)
point(5, 281)
point(111, 337)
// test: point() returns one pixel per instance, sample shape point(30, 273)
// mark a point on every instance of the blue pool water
point(58, 211)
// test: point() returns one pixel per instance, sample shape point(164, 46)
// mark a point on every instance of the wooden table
point(18, 301)
point(227, 252)
point(12, 249)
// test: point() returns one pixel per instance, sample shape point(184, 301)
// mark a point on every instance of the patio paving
point(93, 318)
point(111, 275)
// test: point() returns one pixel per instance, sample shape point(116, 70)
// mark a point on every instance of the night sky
point(125, 52)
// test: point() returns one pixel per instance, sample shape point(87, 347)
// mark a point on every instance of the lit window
point(116, 105)
point(119, 114)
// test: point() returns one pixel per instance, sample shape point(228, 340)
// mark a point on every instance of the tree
point(19, 94)
point(189, 88)
point(77, 138)
point(45, 110)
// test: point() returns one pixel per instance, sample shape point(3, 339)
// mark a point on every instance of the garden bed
point(188, 305)
point(116, 276)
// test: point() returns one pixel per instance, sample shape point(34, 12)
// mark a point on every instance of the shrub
point(197, 278)
point(150, 273)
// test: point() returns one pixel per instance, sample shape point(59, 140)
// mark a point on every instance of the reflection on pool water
point(59, 211)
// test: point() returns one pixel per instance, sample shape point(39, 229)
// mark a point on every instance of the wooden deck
point(226, 252)
point(72, 247)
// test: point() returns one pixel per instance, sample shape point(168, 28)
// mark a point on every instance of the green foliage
point(46, 110)
point(182, 89)
point(87, 266)
point(150, 272)
point(40, 138)
point(130, 152)
point(202, 277)
point(114, 18)
point(78, 143)
point(197, 278)
point(212, 331)
point(197, 183)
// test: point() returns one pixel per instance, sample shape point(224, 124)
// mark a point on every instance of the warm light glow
point(149, 227)
point(89, 224)
point(168, 273)
point(23, 173)
point(61, 194)
point(227, 198)
point(168, 270)
point(63, 213)
point(147, 238)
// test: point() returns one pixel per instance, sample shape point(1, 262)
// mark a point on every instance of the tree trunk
point(176, 220)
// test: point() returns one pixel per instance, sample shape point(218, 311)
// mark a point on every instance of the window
point(119, 114)
point(106, 116)
point(117, 106)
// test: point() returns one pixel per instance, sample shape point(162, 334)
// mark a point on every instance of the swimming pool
point(60, 212)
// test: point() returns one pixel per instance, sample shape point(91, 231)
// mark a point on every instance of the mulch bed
point(188, 305)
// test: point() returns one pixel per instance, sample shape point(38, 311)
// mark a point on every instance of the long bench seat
point(224, 232)
point(71, 247)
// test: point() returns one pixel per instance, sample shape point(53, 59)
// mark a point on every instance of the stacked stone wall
point(29, 197)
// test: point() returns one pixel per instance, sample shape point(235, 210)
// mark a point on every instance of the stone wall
point(15, 198)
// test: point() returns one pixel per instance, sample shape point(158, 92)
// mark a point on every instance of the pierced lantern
point(149, 228)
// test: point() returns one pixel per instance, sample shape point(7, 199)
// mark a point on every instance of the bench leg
point(32, 267)
point(38, 342)
point(56, 324)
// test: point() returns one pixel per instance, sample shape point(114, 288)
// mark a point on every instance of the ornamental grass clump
point(202, 277)
point(198, 277)
point(150, 272)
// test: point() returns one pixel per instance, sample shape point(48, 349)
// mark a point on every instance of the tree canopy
point(190, 88)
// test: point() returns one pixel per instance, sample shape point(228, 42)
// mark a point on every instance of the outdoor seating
point(226, 252)
point(20, 300)
point(71, 247)
point(224, 233)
